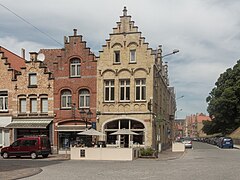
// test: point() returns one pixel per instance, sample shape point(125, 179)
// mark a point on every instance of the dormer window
point(75, 66)
point(117, 57)
point(32, 80)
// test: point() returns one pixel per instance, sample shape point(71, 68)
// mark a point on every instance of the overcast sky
point(207, 33)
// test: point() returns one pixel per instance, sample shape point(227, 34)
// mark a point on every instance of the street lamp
point(180, 97)
point(174, 52)
point(86, 116)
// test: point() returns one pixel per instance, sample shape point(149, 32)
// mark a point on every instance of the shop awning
point(4, 121)
point(71, 128)
point(34, 124)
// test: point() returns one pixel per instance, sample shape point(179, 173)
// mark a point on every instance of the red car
point(28, 146)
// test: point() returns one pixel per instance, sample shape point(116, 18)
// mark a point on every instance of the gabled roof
point(15, 62)
point(201, 117)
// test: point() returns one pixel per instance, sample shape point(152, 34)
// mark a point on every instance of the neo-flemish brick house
point(133, 92)
point(10, 66)
point(30, 101)
point(74, 68)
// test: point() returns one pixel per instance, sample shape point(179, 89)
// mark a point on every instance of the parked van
point(28, 146)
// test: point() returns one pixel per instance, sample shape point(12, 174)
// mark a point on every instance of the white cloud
point(14, 45)
point(206, 33)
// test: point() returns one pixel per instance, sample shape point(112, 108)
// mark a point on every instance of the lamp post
point(86, 116)
point(177, 112)
point(174, 52)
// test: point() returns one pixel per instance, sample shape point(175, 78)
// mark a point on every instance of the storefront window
point(135, 126)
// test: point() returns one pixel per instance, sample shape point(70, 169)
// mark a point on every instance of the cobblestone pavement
point(11, 171)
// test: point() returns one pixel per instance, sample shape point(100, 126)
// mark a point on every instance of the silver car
point(187, 142)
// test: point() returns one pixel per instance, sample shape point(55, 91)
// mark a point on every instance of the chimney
point(23, 53)
point(125, 11)
point(65, 39)
point(75, 32)
point(33, 56)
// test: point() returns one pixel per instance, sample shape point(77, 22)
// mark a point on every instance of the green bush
point(147, 152)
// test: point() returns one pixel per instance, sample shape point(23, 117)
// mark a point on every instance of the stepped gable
point(33, 58)
point(14, 61)
point(124, 27)
point(56, 56)
point(53, 56)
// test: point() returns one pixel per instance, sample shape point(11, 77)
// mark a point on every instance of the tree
point(223, 103)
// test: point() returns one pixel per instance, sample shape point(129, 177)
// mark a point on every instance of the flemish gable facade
point(133, 90)
point(74, 68)
point(30, 97)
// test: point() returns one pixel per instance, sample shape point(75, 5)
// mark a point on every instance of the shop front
point(4, 132)
point(68, 137)
point(36, 127)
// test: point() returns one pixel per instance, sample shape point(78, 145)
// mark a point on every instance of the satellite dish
point(41, 57)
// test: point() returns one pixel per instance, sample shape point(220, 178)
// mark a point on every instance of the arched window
point(84, 98)
point(75, 66)
point(66, 99)
point(126, 139)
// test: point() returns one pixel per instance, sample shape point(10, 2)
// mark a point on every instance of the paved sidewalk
point(169, 155)
point(236, 146)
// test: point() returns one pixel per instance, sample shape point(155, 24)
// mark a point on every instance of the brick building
point(74, 68)
point(133, 91)
point(30, 96)
point(194, 125)
point(10, 67)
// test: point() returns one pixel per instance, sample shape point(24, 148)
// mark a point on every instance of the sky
point(206, 33)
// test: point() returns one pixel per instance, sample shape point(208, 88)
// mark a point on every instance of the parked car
point(28, 146)
point(187, 141)
point(225, 142)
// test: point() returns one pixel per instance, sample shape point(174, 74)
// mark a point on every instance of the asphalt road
point(204, 161)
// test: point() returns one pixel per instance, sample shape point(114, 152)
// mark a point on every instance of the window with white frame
point(32, 79)
point(33, 105)
point(22, 105)
point(84, 98)
point(132, 55)
point(75, 65)
point(140, 89)
point(3, 101)
point(108, 90)
point(66, 99)
point(124, 90)
point(44, 105)
point(116, 56)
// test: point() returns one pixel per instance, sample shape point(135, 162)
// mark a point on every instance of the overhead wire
point(35, 27)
